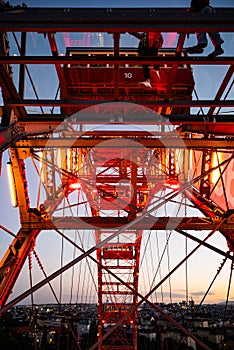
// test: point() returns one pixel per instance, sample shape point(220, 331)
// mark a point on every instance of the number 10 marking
point(128, 75)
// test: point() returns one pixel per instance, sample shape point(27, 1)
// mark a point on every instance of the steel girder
point(152, 223)
point(149, 142)
point(114, 20)
point(44, 21)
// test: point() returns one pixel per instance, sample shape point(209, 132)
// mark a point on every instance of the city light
point(172, 183)
point(75, 186)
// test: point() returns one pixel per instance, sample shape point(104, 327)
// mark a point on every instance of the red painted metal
point(84, 81)
point(97, 82)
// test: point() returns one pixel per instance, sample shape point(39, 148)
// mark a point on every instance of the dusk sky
point(206, 87)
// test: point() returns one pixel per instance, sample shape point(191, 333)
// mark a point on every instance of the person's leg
point(154, 52)
point(146, 69)
point(201, 37)
point(202, 40)
point(215, 37)
point(146, 73)
point(201, 44)
point(217, 41)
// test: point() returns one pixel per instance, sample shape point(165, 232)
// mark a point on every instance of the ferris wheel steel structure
point(112, 156)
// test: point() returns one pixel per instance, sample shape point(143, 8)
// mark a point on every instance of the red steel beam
point(73, 103)
point(103, 59)
point(149, 222)
point(114, 20)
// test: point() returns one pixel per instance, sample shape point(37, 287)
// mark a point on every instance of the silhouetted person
point(149, 44)
point(203, 6)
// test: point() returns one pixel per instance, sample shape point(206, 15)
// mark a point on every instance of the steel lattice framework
point(141, 151)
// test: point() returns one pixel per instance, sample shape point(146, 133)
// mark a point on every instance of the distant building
point(179, 338)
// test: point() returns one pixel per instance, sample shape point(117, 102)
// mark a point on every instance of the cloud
point(201, 293)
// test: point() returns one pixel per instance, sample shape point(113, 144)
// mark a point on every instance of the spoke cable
point(168, 260)
point(55, 296)
point(32, 321)
point(211, 284)
point(229, 287)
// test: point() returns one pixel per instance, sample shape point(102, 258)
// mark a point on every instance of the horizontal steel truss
point(74, 103)
point(141, 140)
point(116, 60)
point(114, 20)
point(149, 223)
point(221, 125)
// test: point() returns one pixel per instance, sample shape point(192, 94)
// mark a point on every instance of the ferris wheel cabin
point(93, 78)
